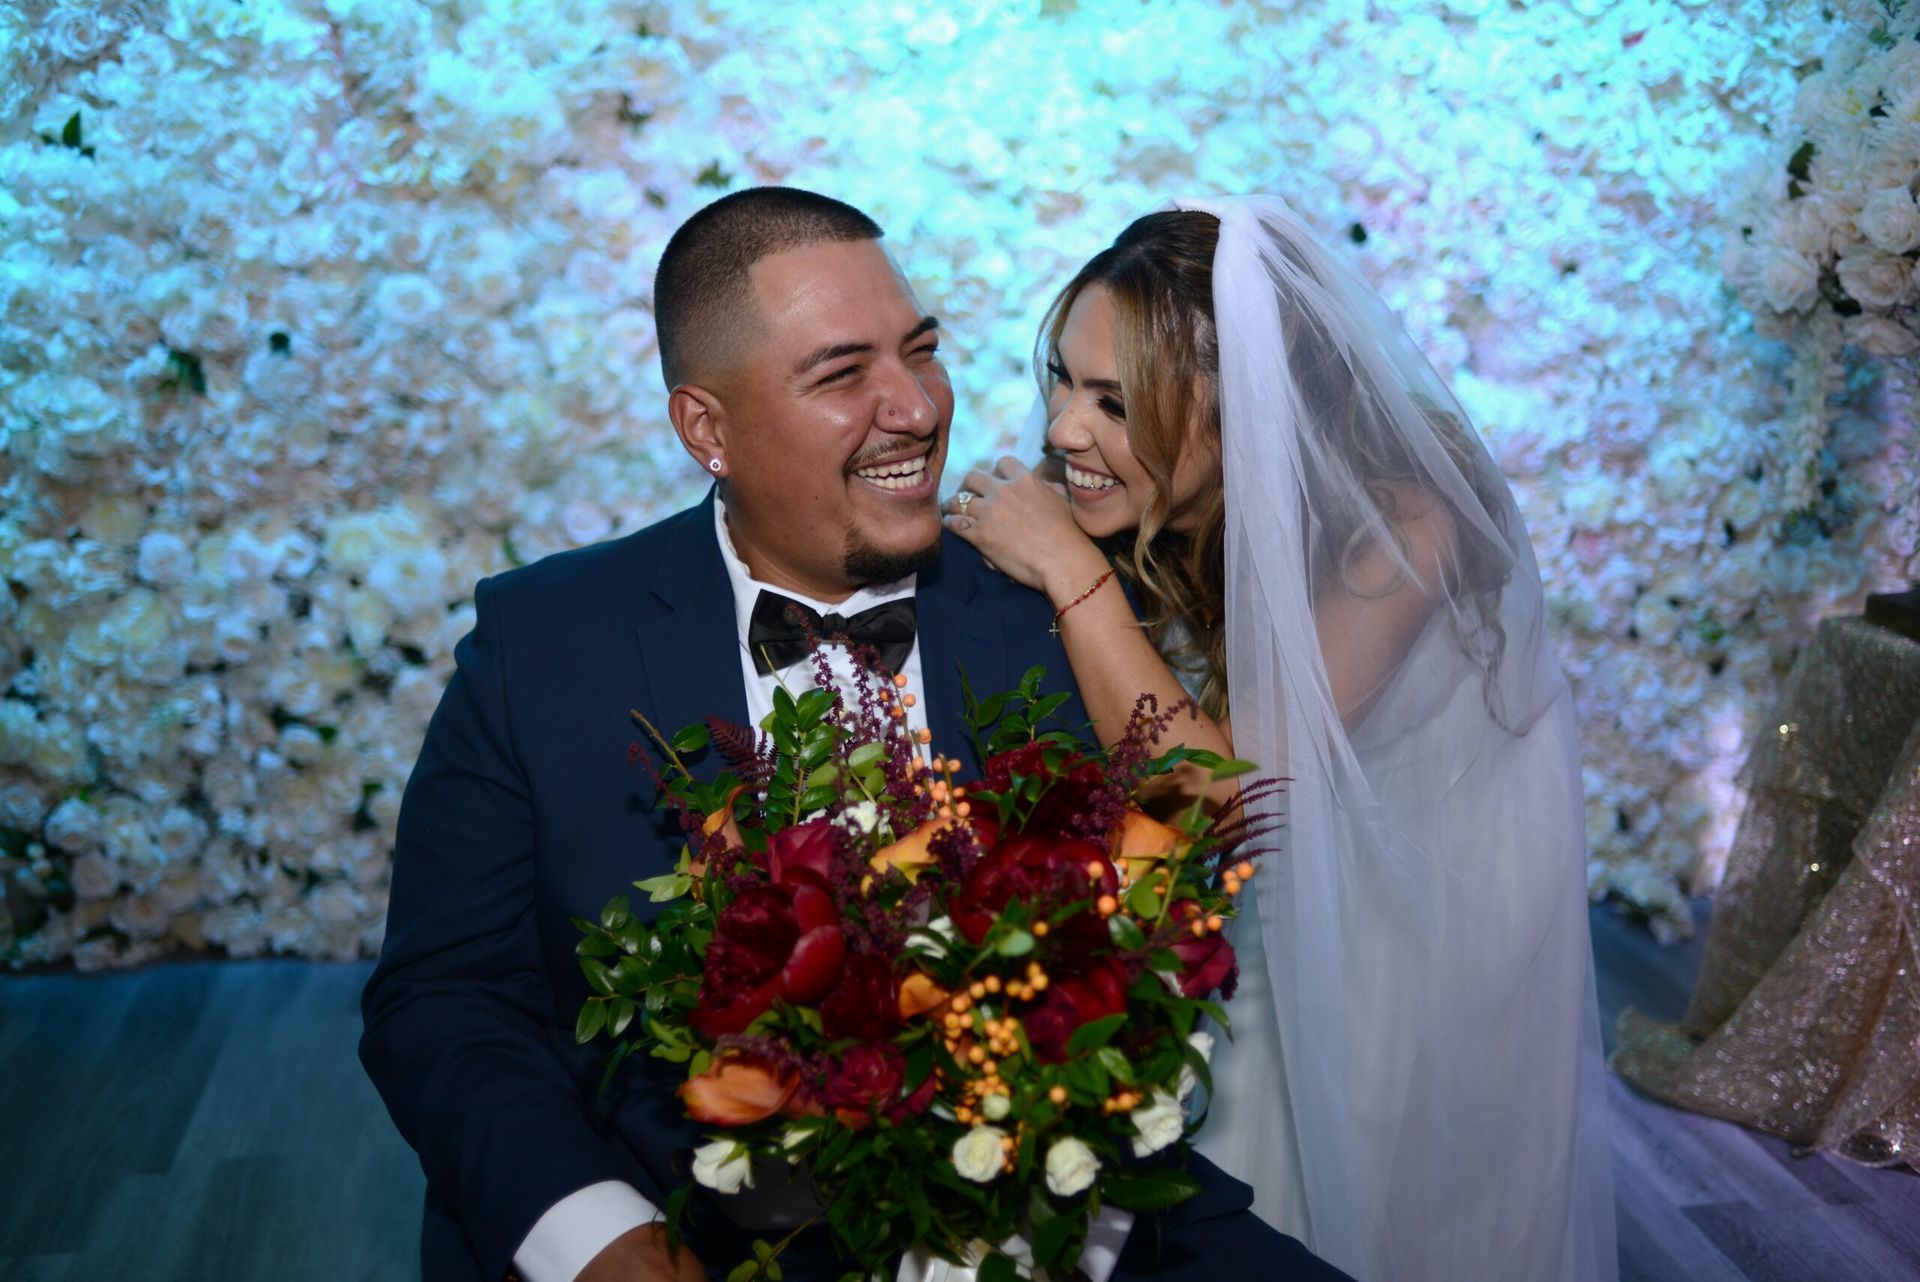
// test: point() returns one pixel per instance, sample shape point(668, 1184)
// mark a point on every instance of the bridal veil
point(1425, 1102)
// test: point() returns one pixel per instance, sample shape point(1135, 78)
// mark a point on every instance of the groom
point(807, 383)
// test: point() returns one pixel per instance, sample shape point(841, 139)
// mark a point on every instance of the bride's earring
point(713, 465)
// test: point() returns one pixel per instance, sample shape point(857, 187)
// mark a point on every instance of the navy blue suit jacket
point(523, 812)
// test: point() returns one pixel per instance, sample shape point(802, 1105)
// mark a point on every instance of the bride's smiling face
point(1108, 487)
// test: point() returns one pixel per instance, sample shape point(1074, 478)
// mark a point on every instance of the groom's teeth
point(903, 475)
point(1089, 480)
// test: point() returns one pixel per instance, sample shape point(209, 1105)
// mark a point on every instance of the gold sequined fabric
point(1806, 1020)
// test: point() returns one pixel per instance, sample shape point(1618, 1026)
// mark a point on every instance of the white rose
point(1788, 281)
point(1158, 1124)
point(93, 878)
point(179, 835)
point(164, 558)
point(138, 623)
point(1890, 221)
point(861, 818)
point(75, 34)
point(74, 826)
point(1655, 618)
point(1071, 1167)
point(1879, 336)
point(408, 299)
point(995, 1107)
point(978, 1154)
point(411, 580)
point(723, 1166)
point(1875, 280)
point(1203, 1042)
point(114, 519)
point(21, 806)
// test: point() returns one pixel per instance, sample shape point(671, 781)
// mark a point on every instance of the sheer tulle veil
point(1416, 1087)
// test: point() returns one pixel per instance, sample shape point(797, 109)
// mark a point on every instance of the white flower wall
point(313, 313)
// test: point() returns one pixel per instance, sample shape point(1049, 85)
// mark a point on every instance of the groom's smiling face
point(836, 421)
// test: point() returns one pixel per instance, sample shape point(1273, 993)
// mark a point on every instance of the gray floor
point(209, 1122)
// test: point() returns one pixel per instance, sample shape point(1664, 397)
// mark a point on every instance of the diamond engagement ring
point(961, 500)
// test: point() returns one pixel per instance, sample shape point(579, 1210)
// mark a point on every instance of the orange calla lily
point(722, 822)
point(735, 1092)
point(910, 853)
point(919, 994)
point(1141, 841)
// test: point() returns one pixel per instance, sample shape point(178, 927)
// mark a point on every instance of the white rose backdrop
point(313, 313)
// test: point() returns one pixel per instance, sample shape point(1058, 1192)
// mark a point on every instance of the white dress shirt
point(581, 1225)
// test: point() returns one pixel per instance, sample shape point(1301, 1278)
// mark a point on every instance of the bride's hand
point(1023, 526)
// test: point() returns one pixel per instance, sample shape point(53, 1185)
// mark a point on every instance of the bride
point(1326, 556)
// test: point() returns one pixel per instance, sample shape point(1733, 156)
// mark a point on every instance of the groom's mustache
point(879, 458)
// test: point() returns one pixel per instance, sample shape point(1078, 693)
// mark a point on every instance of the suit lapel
point(954, 635)
point(688, 638)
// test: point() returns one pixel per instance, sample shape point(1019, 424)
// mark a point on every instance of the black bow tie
point(777, 633)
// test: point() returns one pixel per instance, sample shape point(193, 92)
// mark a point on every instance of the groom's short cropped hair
point(703, 305)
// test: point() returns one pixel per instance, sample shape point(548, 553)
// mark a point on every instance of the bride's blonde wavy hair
point(1159, 275)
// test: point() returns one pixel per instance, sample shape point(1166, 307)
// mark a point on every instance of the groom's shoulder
point(583, 577)
point(962, 569)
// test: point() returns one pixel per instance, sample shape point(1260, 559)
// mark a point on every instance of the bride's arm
point(1024, 528)
point(1368, 617)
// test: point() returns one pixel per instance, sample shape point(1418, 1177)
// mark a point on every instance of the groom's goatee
point(871, 565)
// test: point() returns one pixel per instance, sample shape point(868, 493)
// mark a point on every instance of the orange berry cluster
point(898, 705)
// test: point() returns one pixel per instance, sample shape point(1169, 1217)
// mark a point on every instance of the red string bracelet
point(1061, 612)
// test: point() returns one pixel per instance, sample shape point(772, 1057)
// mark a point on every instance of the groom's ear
point(700, 419)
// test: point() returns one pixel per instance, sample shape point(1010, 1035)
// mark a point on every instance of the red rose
point(1039, 872)
point(1206, 963)
point(808, 847)
point(771, 943)
point(865, 1003)
point(865, 1080)
point(1098, 991)
point(1071, 786)
point(914, 1104)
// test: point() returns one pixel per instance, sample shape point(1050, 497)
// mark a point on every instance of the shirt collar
point(747, 589)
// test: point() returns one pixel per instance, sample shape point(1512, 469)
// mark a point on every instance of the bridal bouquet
point(966, 1011)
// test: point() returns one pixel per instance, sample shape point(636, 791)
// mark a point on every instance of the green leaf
point(596, 946)
point(620, 1014)
point(998, 1268)
point(1125, 933)
point(599, 978)
point(744, 1271)
point(692, 739)
point(1110, 1059)
point(917, 1206)
point(824, 777)
point(1030, 682)
point(867, 754)
point(1143, 899)
point(784, 708)
point(991, 708)
point(1095, 1034)
point(1017, 943)
point(1147, 1188)
point(667, 886)
point(593, 1018)
point(818, 798)
point(1051, 1235)
point(814, 704)
point(1799, 166)
point(1044, 708)
point(70, 136)
point(1232, 768)
point(616, 913)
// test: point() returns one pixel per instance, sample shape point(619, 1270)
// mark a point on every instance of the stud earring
point(713, 465)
